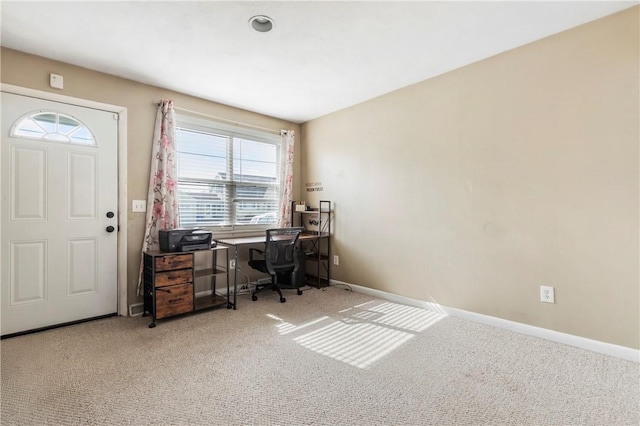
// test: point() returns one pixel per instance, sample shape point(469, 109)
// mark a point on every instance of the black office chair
point(279, 259)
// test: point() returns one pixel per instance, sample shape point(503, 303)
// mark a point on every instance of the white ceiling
point(321, 57)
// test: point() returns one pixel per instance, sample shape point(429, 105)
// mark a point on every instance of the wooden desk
point(239, 241)
point(236, 242)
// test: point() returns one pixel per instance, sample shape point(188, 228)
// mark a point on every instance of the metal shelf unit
point(317, 250)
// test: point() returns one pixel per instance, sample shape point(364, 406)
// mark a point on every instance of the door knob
point(110, 215)
point(110, 229)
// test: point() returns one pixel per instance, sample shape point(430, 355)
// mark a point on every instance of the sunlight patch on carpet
point(406, 317)
point(357, 344)
point(286, 327)
point(372, 331)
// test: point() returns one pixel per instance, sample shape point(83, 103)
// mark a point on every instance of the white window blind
point(226, 179)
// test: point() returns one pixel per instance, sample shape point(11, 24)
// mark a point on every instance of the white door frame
point(122, 173)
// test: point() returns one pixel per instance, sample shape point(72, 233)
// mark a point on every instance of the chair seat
point(259, 265)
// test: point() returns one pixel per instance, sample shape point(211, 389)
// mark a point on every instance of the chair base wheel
point(153, 324)
point(282, 300)
point(254, 297)
point(299, 292)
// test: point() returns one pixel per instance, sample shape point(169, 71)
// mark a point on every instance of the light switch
point(138, 206)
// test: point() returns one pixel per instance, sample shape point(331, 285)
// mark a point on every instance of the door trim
point(121, 167)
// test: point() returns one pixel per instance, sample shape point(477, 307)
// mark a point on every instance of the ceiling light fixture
point(262, 23)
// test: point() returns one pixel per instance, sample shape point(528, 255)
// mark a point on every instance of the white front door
point(59, 213)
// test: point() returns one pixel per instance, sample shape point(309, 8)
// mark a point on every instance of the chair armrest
point(252, 250)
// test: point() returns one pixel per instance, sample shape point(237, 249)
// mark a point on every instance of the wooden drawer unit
point(171, 262)
point(170, 282)
point(181, 276)
point(174, 300)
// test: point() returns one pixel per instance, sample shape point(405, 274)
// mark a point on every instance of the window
point(53, 127)
point(226, 178)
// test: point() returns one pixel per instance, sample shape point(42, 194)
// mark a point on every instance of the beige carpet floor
point(324, 358)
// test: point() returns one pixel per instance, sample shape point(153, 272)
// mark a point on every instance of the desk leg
point(229, 304)
point(235, 278)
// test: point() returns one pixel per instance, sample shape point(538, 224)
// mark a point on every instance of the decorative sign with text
point(313, 186)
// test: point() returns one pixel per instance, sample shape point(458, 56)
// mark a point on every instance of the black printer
point(182, 239)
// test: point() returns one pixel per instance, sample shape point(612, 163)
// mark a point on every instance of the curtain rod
point(235, 123)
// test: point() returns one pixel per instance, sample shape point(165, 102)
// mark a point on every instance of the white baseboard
point(610, 349)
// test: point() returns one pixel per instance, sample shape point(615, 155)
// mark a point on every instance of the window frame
point(55, 136)
point(211, 126)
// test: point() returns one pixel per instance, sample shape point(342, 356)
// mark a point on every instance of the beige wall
point(474, 188)
point(30, 71)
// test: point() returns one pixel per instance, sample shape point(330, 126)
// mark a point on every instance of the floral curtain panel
point(162, 201)
point(286, 177)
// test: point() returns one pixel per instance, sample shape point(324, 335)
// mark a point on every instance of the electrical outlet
point(336, 259)
point(232, 264)
point(547, 294)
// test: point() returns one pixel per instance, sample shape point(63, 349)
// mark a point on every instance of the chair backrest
point(280, 250)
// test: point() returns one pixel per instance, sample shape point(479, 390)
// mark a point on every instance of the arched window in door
point(53, 127)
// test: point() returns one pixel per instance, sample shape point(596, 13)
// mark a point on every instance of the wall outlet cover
point(547, 294)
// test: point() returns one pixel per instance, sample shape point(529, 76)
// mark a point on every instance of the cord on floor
point(348, 287)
